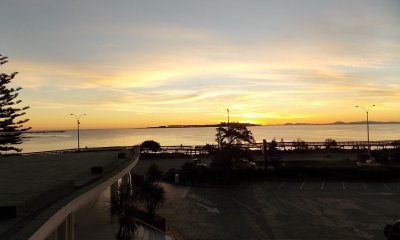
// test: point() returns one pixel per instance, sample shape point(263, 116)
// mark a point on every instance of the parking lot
point(283, 210)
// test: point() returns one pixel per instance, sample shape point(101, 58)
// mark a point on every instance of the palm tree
point(154, 196)
point(153, 174)
point(235, 133)
point(123, 207)
point(152, 192)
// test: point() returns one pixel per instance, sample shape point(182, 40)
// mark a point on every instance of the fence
point(346, 145)
point(285, 146)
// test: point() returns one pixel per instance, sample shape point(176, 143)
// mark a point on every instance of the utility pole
point(228, 116)
point(265, 151)
point(367, 112)
point(78, 123)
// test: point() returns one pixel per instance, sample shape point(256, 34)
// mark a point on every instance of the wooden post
point(265, 155)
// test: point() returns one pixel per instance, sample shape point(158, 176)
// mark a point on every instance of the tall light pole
point(366, 109)
point(228, 116)
point(78, 123)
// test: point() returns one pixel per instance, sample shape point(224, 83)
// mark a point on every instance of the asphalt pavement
point(283, 210)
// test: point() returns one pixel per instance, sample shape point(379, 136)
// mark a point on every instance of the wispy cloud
point(267, 61)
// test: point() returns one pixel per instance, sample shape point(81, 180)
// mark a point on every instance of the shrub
point(154, 196)
point(300, 144)
point(330, 143)
point(396, 144)
point(150, 145)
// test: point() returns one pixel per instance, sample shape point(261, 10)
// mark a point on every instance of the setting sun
point(269, 62)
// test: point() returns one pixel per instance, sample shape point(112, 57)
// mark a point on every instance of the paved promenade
point(35, 187)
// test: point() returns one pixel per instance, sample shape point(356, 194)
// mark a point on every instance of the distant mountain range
point(343, 123)
point(204, 125)
point(252, 124)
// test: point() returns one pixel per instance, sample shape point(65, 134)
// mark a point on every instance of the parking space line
point(298, 207)
point(302, 185)
point(262, 185)
point(386, 186)
point(243, 205)
point(322, 185)
point(321, 204)
point(373, 204)
point(281, 186)
point(343, 186)
point(277, 209)
point(365, 186)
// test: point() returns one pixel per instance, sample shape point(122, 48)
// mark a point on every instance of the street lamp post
point(228, 116)
point(367, 112)
point(78, 123)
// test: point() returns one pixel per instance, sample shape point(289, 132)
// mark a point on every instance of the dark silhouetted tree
point(235, 133)
point(150, 145)
point(152, 192)
point(153, 174)
point(330, 143)
point(228, 139)
point(300, 144)
point(154, 196)
point(123, 207)
point(273, 145)
point(396, 144)
point(11, 127)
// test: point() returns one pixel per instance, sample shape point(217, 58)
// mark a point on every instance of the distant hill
point(252, 124)
point(364, 122)
point(204, 125)
point(343, 123)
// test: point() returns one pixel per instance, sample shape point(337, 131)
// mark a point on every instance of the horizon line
point(211, 125)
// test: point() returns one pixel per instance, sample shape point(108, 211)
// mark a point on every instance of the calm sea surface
point(200, 136)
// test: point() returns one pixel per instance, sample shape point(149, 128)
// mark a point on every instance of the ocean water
point(200, 136)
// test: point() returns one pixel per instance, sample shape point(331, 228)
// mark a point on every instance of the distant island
point(341, 123)
point(44, 132)
point(204, 125)
point(284, 124)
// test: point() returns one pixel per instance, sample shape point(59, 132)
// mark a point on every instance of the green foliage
point(222, 160)
point(210, 148)
point(273, 145)
point(154, 196)
point(150, 145)
point(235, 133)
point(330, 143)
point(300, 144)
point(10, 127)
point(228, 139)
point(151, 191)
point(396, 144)
point(123, 207)
point(153, 174)
point(189, 165)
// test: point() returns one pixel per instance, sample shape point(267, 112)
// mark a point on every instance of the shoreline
point(222, 125)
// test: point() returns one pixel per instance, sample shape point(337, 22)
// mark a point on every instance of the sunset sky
point(130, 63)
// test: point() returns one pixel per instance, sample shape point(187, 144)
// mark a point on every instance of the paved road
point(284, 210)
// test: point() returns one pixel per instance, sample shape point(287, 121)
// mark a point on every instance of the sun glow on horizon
point(186, 63)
